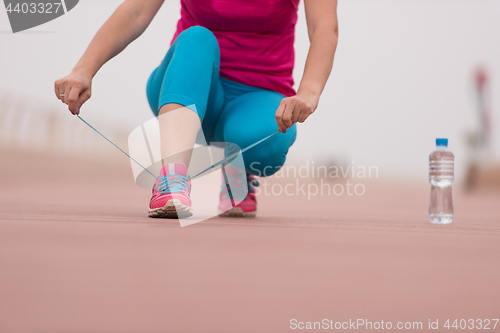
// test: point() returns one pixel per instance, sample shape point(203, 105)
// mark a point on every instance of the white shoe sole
point(173, 209)
point(236, 212)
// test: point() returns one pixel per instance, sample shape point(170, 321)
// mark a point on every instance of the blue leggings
point(229, 111)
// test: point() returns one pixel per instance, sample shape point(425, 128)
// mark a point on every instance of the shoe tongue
point(174, 168)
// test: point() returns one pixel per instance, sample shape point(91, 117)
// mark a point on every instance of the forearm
point(126, 24)
point(319, 61)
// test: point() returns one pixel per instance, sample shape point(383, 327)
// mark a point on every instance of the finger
point(74, 94)
point(56, 89)
point(84, 96)
point(279, 117)
point(303, 116)
point(296, 114)
point(59, 89)
point(288, 114)
point(65, 93)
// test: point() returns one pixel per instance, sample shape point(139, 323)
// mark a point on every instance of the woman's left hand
point(295, 109)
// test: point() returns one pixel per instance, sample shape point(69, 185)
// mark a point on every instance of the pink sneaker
point(248, 206)
point(171, 193)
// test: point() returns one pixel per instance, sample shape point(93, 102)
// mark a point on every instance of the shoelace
point(238, 192)
point(172, 183)
point(228, 158)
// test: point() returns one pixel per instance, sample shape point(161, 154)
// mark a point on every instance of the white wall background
point(402, 76)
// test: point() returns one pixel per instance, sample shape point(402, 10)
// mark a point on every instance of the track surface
point(79, 254)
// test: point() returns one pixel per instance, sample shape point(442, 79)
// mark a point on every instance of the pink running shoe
point(171, 193)
point(248, 206)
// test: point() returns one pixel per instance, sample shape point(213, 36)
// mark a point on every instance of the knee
point(264, 164)
point(198, 36)
point(268, 159)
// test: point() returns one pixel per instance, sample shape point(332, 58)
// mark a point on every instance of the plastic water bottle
point(441, 163)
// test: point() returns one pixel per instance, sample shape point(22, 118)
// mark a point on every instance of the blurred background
point(405, 73)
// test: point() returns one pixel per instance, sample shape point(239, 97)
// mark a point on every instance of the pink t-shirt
point(255, 38)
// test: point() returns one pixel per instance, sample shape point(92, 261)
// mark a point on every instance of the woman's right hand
point(127, 23)
point(74, 90)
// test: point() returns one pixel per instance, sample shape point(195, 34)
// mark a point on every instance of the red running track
point(78, 254)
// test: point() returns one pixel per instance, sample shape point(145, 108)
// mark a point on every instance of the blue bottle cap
point(442, 142)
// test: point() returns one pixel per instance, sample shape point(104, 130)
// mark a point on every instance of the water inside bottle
point(441, 169)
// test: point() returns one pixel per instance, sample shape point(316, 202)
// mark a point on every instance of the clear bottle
point(441, 162)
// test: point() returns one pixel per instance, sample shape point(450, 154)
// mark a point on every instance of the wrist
point(310, 95)
point(84, 71)
point(309, 92)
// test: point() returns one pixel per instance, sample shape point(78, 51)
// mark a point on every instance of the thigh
point(189, 74)
point(250, 118)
